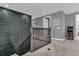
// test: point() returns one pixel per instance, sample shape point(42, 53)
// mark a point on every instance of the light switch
point(58, 27)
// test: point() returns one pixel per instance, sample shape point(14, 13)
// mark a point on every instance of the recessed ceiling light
point(7, 5)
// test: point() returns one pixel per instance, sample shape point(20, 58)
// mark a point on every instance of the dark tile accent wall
point(14, 29)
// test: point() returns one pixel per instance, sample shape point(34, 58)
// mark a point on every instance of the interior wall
point(37, 22)
point(56, 31)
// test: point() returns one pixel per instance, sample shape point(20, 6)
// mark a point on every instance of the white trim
point(57, 39)
point(61, 39)
point(76, 38)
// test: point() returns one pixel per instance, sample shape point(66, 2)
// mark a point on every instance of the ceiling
point(40, 9)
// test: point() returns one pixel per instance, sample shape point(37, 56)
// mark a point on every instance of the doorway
point(77, 25)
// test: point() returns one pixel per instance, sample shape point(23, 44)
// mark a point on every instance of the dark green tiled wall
point(14, 28)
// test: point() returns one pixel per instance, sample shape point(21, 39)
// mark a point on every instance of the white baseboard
point(76, 38)
point(57, 39)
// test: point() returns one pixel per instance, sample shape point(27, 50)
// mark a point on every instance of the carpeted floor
point(57, 48)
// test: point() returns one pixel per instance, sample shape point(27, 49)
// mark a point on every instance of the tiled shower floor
point(57, 48)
